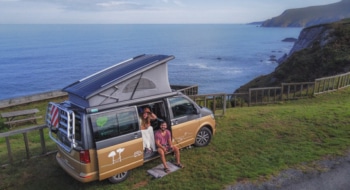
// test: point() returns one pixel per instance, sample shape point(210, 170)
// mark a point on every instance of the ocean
point(216, 57)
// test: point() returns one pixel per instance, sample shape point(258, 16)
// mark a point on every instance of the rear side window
point(114, 123)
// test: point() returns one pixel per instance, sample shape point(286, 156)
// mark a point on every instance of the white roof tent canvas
point(138, 77)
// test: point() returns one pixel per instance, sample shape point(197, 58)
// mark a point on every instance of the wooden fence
point(212, 101)
point(218, 103)
point(292, 91)
point(287, 91)
point(328, 84)
point(29, 152)
point(264, 95)
point(188, 90)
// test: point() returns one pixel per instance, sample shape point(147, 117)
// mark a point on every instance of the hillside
point(309, 16)
point(320, 51)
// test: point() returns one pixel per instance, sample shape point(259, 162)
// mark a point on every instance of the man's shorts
point(167, 147)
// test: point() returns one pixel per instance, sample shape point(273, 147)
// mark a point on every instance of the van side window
point(77, 127)
point(112, 124)
point(181, 106)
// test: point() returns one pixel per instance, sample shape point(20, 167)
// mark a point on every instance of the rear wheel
point(203, 137)
point(119, 177)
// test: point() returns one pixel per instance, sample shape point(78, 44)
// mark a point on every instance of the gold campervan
point(97, 130)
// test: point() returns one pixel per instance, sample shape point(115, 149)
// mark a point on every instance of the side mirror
point(195, 111)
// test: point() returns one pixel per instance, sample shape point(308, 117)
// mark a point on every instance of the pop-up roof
point(141, 76)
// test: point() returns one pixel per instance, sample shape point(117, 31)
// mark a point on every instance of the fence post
point(214, 104)
point(26, 145)
point(301, 90)
point(9, 152)
point(42, 141)
point(250, 97)
point(282, 91)
point(224, 106)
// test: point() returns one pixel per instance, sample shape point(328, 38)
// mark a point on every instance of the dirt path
point(328, 174)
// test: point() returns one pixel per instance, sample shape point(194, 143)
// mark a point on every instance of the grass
point(251, 144)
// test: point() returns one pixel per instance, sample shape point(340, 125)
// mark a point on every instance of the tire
point(119, 177)
point(203, 137)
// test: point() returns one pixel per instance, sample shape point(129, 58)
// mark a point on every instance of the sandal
point(179, 165)
point(166, 170)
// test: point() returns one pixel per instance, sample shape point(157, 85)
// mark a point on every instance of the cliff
point(321, 50)
point(309, 16)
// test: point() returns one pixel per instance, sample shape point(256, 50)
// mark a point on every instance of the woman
point(147, 130)
point(146, 118)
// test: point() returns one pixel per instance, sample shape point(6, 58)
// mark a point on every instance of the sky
point(146, 11)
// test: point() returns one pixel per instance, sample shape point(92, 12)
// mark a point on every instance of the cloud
point(117, 4)
point(120, 5)
point(90, 5)
point(141, 11)
point(97, 5)
point(179, 3)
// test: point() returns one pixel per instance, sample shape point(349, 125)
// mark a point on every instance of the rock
point(289, 40)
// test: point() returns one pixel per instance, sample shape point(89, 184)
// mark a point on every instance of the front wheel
point(119, 177)
point(203, 137)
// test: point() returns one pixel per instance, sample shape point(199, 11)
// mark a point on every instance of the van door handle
point(174, 122)
point(135, 136)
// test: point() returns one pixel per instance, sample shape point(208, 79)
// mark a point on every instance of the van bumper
point(81, 177)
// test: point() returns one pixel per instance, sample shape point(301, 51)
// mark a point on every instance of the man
point(164, 144)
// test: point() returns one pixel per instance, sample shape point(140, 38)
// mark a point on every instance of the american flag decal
point(54, 116)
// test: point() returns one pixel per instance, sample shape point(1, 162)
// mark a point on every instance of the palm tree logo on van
point(114, 153)
point(120, 150)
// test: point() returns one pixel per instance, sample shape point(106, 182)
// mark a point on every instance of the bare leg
point(177, 154)
point(162, 157)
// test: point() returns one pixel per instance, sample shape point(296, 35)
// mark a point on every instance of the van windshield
point(114, 123)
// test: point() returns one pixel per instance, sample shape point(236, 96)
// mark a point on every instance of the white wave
point(200, 66)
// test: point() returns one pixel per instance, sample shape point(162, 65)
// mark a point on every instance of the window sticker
point(101, 121)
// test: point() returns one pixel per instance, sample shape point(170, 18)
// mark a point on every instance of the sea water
point(216, 57)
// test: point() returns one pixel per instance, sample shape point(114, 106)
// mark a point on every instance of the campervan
point(97, 129)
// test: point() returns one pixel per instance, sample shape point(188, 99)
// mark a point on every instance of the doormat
point(158, 171)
